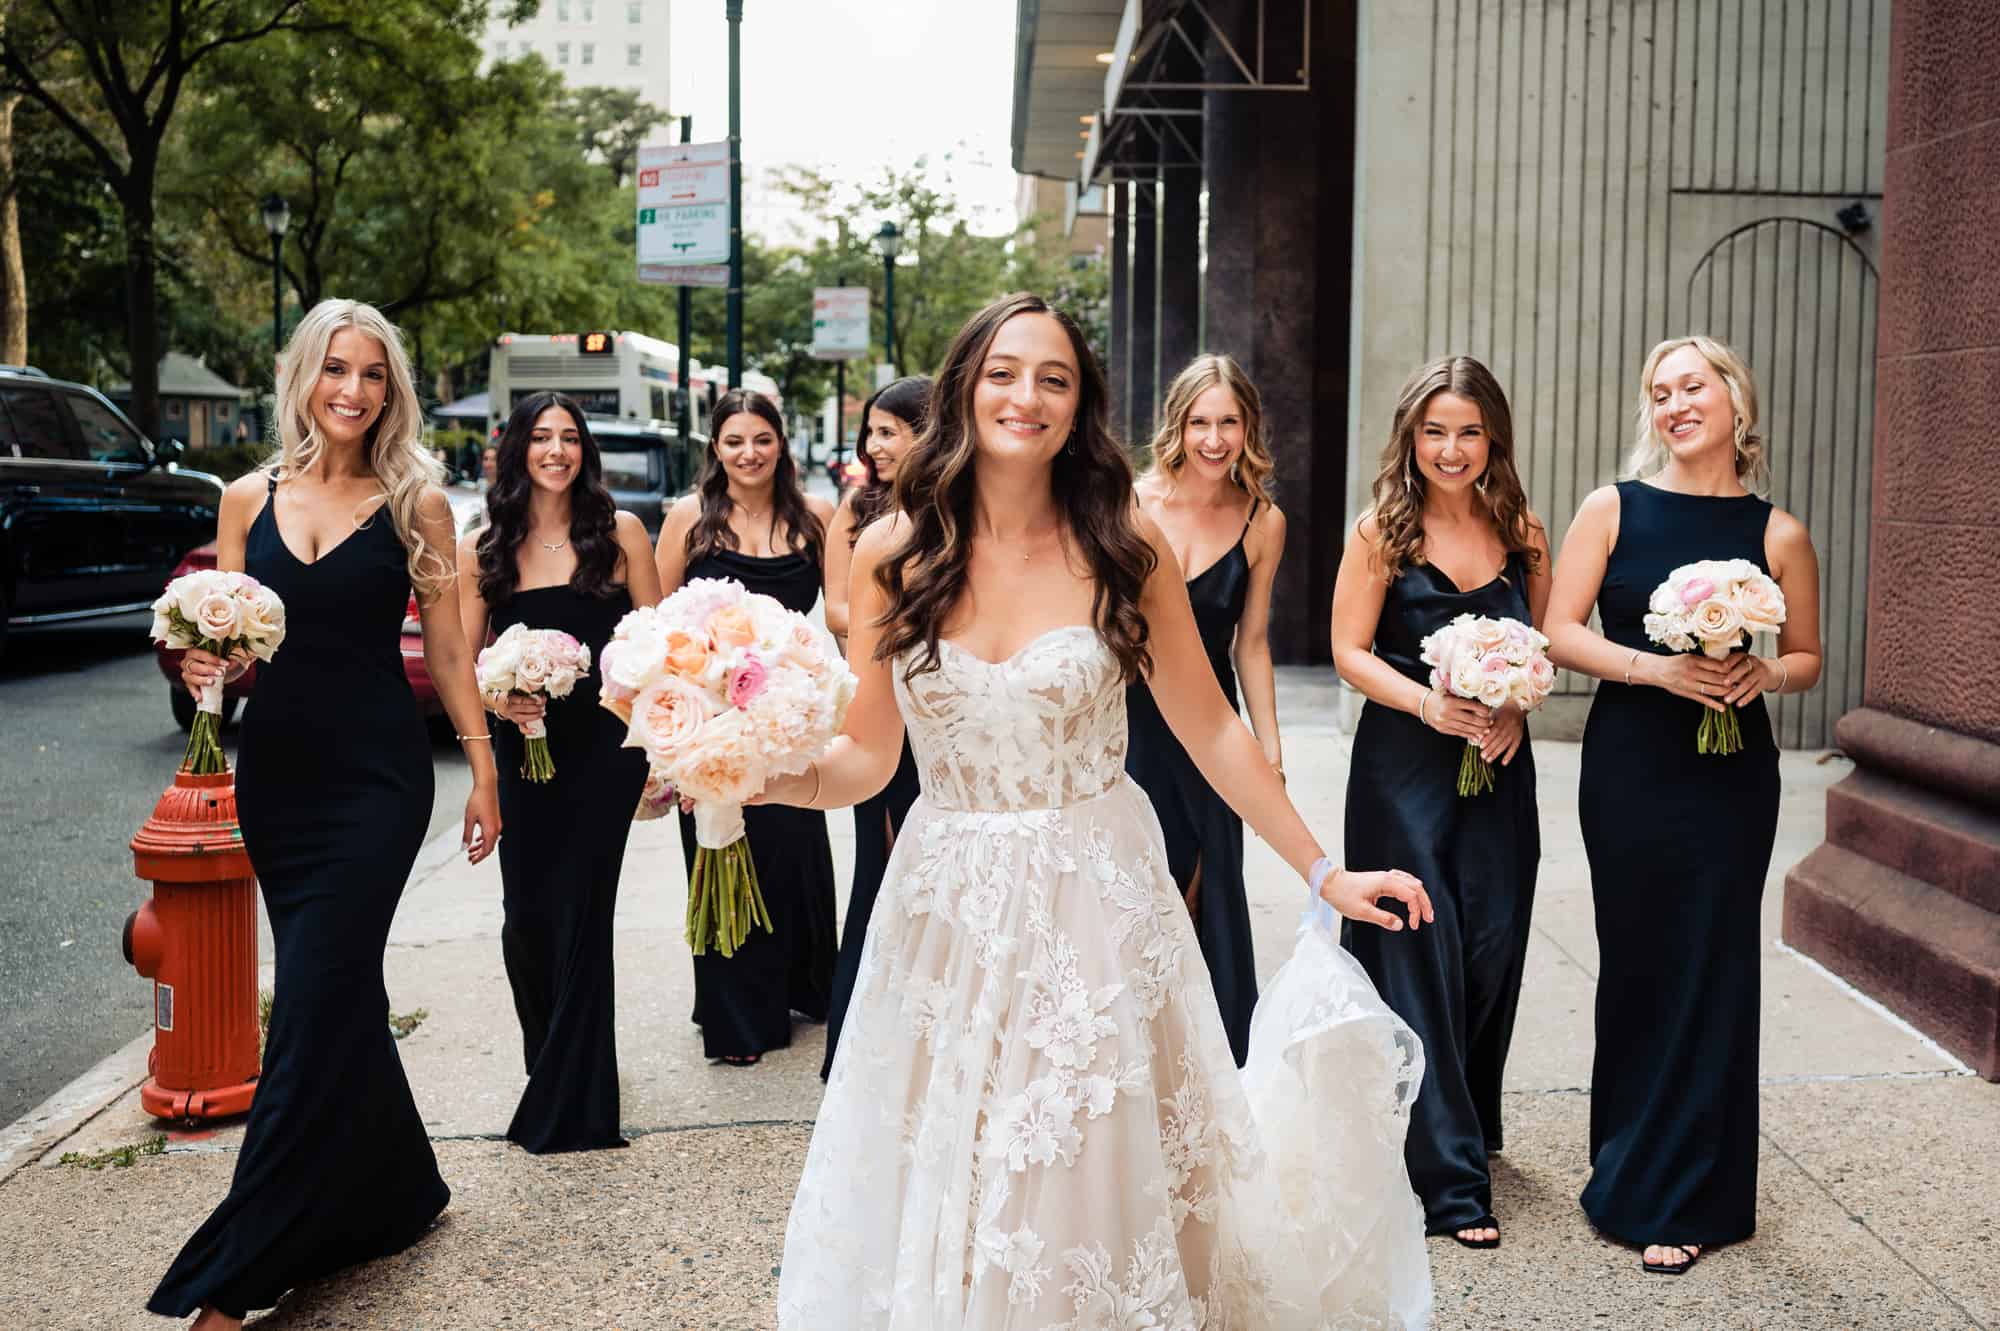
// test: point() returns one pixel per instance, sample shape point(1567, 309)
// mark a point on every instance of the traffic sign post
point(840, 323)
point(683, 214)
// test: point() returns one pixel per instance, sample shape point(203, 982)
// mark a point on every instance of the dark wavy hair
point(909, 400)
point(804, 533)
point(593, 518)
point(924, 576)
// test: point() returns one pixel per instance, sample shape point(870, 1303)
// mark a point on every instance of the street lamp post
point(733, 304)
point(891, 242)
point(277, 220)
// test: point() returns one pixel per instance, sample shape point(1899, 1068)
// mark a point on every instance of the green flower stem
point(536, 765)
point(204, 747)
point(1475, 774)
point(1720, 732)
point(724, 899)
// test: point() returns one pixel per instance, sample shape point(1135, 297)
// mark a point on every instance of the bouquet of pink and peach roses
point(227, 615)
point(527, 662)
point(724, 689)
point(1493, 662)
point(1713, 606)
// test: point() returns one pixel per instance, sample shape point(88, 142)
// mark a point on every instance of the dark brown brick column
point(1903, 898)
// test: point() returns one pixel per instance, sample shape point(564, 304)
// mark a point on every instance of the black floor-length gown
point(559, 863)
point(744, 1002)
point(334, 788)
point(1679, 843)
point(876, 821)
point(1201, 832)
point(1458, 981)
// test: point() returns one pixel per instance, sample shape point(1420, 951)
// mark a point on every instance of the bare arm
point(670, 556)
point(448, 657)
point(839, 563)
point(864, 755)
point(1252, 651)
point(241, 503)
point(1788, 550)
point(1541, 578)
point(1228, 757)
point(471, 604)
point(642, 575)
point(1360, 590)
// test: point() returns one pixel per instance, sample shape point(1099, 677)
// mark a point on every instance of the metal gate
point(1797, 299)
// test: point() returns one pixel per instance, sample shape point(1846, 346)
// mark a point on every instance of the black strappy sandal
point(1691, 1251)
point(740, 1060)
point(1484, 1222)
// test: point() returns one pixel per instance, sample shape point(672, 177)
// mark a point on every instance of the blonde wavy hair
point(395, 444)
point(1400, 489)
point(1253, 466)
point(1649, 451)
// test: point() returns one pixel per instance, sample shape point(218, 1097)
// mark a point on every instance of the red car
point(202, 557)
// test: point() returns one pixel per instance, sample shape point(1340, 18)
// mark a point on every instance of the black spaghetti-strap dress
point(1679, 845)
point(334, 788)
point(877, 819)
point(1456, 982)
point(559, 867)
point(744, 1002)
point(1200, 829)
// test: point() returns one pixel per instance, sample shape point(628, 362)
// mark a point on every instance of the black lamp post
point(891, 242)
point(277, 220)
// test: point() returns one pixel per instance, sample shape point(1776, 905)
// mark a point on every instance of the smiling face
point(886, 437)
point(555, 450)
point(353, 385)
point(1024, 402)
point(1212, 435)
point(747, 447)
point(1692, 410)
point(1451, 443)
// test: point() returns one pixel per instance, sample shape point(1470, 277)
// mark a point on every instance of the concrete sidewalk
point(1879, 1183)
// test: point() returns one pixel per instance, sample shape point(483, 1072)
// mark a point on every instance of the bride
point(1034, 1119)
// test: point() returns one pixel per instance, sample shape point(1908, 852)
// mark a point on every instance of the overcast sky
point(851, 86)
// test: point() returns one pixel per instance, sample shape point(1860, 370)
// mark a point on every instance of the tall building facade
point(595, 43)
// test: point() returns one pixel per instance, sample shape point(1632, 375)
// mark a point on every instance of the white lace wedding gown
point(1033, 1119)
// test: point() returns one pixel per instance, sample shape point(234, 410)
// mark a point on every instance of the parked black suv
point(644, 467)
point(94, 517)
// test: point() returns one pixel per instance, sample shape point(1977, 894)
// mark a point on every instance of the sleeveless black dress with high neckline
point(1458, 981)
point(1679, 845)
point(1201, 830)
point(743, 1003)
point(333, 787)
point(559, 865)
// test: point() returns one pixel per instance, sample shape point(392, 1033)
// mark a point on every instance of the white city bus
point(625, 375)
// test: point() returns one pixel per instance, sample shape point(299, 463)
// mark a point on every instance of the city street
point(89, 744)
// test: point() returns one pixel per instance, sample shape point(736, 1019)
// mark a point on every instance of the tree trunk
point(142, 330)
point(13, 273)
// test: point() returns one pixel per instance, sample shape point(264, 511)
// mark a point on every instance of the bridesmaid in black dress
point(891, 421)
point(1208, 491)
point(334, 788)
point(1449, 533)
point(750, 521)
point(557, 555)
point(1679, 842)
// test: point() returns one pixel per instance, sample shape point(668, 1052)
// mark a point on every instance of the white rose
point(1666, 599)
point(1466, 676)
point(218, 617)
point(1718, 623)
point(666, 716)
point(1493, 690)
point(722, 764)
point(1762, 605)
point(532, 672)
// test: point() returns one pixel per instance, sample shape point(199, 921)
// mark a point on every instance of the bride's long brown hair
point(924, 576)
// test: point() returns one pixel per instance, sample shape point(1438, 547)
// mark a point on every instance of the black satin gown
point(559, 864)
point(1201, 831)
point(877, 819)
point(1679, 845)
point(743, 1003)
point(334, 788)
point(1456, 982)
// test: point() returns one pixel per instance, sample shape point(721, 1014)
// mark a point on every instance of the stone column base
point(1903, 899)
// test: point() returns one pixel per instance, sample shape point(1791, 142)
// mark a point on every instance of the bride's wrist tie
point(1318, 910)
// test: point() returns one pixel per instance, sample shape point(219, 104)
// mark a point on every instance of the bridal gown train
point(1034, 1119)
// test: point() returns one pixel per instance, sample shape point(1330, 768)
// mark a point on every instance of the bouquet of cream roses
point(530, 661)
point(1713, 606)
point(1490, 661)
point(724, 689)
point(224, 614)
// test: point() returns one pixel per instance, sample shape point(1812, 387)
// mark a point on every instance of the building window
point(590, 11)
point(635, 55)
point(635, 12)
point(562, 11)
point(562, 53)
point(588, 54)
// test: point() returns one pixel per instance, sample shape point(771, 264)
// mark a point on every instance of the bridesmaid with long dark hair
point(1679, 841)
point(557, 555)
point(1208, 491)
point(334, 785)
point(1449, 533)
point(891, 422)
point(749, 520)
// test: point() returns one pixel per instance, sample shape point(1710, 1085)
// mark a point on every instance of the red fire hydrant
point(196, 940)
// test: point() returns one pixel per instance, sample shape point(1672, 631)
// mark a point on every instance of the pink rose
point(1496, 664)
point(731, 626)
point(746, 682)
point(1696, 591)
